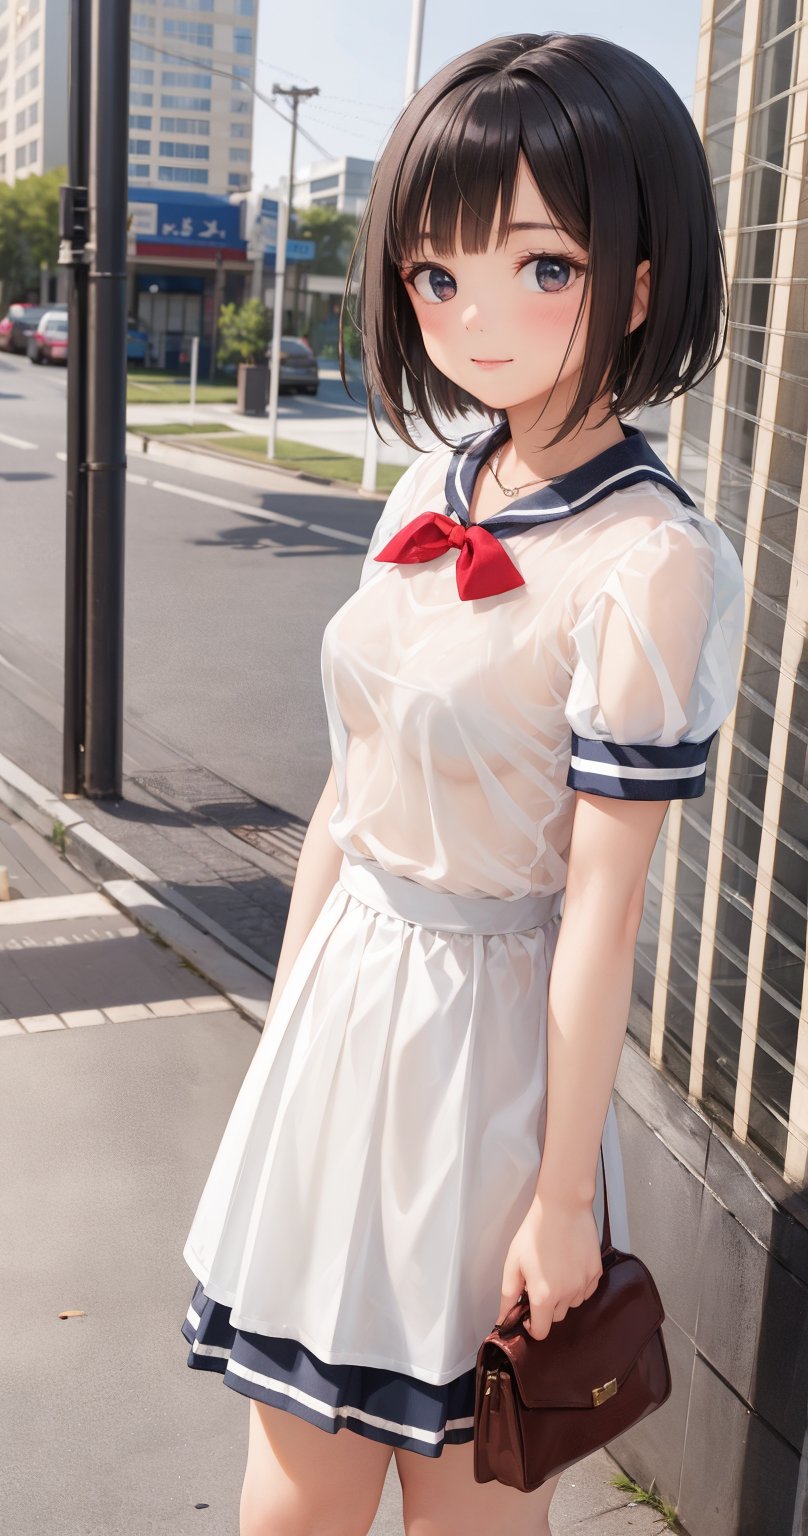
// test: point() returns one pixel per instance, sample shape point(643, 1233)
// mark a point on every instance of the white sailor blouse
point(586, 637)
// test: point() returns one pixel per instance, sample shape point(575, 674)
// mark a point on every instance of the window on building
point(185, 173)
point(171, 149)
point(197, 125)
point(141, 23)
point(324, 183)
point(237, 180)
point(139, 146)
point(187, 103)
point(193, 81)
point(2, 165)
point(245, 7)
point(140, 50)
point(241, 104)
point(138, 171)
point(198, 33)
point(241, 72)
point(192, 5)
point(140, 120)
point(141, 76)
point(239, 130)
point(28, 46)
point(240, 154)
point(141, 98)
point(242, 40)
point(3, 129)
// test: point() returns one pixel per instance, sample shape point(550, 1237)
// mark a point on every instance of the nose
point(471, 317)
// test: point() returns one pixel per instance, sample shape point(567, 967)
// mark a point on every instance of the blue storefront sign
point(185, 218)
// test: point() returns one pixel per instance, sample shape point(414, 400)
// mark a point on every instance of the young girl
point(544, 641)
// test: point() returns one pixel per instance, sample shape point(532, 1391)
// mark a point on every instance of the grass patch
point(642, 1495)
point(308, 459)
point(148, 388)
point(182, 428)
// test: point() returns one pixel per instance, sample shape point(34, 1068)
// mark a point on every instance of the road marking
point(334, 533)
point(62, 456)
point(16, 442)
point(229, 506)
point(117, 1013)
point(260, 513)
point(53, 909)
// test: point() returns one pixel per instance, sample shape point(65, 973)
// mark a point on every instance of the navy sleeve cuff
point(639, 772)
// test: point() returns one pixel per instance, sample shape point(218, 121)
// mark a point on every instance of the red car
point(18, 325)
point(49, 341)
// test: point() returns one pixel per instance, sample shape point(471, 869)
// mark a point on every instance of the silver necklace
point(515, 489)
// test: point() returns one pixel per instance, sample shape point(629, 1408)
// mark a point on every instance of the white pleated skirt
point(385, 1143)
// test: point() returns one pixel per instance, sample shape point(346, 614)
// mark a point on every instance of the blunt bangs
point(619, 164)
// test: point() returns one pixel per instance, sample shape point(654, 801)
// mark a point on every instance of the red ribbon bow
point(483, 567)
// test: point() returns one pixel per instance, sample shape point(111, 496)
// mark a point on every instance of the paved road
point(225, 607)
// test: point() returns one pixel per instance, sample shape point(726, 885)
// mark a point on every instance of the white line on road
point(229, 506)
point(333, 533)
point(16, 442)
point(62, 456)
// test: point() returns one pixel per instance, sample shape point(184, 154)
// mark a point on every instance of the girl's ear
point(642, 288)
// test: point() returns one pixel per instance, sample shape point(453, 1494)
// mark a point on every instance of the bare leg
point(301, 1479)
point(441, 1498)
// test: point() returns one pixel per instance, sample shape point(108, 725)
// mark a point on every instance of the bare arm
point(317, 870)
point(556, 1252)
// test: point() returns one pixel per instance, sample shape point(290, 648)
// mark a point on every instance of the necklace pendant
point(510, 493)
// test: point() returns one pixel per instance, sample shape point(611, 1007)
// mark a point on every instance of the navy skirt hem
point(388, 1406)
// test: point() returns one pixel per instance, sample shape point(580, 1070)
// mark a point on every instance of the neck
point(526, 455)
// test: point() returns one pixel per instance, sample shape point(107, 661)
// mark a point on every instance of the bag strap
point(606, 1242)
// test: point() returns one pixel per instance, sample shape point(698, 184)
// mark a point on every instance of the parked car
point(18, 324)
point(298, 368)
point(137, 344)
point(48, 344)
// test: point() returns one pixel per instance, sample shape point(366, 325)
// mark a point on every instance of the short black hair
point(618, 162)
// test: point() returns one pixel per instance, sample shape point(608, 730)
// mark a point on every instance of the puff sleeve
point(655, 656)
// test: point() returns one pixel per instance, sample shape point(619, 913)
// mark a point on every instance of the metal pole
point(194, 372)
point(106, 420)
point(73, 230)
point(284, 217)
point(414, 51)
point(277, 320)
point(371, 458)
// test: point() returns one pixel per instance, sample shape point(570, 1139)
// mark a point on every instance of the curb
point(167, 452)
point(231, 967)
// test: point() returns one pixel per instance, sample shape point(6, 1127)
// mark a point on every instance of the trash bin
point(253, 388)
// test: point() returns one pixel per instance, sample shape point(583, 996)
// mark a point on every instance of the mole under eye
point(433, 284)
point(550, 274)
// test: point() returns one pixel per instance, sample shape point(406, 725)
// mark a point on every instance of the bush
point(244, 333)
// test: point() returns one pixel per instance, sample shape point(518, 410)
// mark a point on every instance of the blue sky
point(356, 52)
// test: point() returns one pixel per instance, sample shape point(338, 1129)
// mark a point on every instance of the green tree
point(244, 333)
point(333, 234)
point(29, 232)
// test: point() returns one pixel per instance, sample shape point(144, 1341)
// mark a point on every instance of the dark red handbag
point(543, 1404)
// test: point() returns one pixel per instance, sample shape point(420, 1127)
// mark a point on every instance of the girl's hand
point(556, 1257)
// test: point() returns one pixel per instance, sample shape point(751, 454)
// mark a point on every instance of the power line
point(212, 69)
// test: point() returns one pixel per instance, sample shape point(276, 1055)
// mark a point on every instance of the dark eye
point(433, 284)
point(552, 274)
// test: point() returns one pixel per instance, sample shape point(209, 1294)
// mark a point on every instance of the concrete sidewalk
point(120, 1064)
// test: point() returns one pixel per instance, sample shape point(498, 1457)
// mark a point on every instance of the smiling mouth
point(491, 362)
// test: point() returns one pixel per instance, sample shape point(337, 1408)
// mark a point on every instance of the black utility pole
point(297, 94)
point(73, 236)
point(106, 395)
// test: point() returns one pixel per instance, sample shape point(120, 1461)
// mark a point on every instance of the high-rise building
point(343, 184)
point(33, 87)
point(192, 64)
point(715, 1089)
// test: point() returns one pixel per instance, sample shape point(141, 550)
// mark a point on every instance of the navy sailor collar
point(623, 464)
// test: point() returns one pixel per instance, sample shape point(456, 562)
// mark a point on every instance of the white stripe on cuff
point(618, 771)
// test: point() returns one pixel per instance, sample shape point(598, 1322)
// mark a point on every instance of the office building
point(192, 63)
point(717, 1130)
point(33, 87)
point(342, 184)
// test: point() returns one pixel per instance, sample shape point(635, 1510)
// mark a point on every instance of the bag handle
point(519, 1309)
